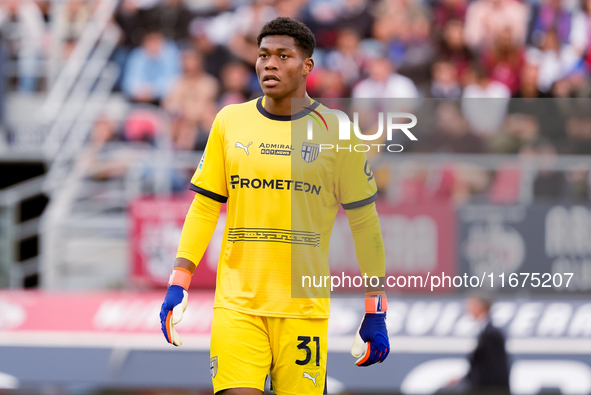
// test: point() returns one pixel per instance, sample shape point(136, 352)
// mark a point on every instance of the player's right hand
point(175, 303)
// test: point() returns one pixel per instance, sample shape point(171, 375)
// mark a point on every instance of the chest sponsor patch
point(276, 149)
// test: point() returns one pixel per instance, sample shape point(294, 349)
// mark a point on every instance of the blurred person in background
point(453, 49)
point(126, 17)
point(102, 164)
point(327, 83)
point(580, 84)
point(446, 11)
point(518, 130)
point(445, 83)
point(23, 28)
point(551, 119)
point(210, 8)
point(562, 88)
point(357, 15)
point(384, 82)
point(504, 59)
point(322, 19)
point(486, 19)
point(248, 21)
point(68, 47)
point(215, 56)
point(143, 125)
point(579, 180)
point(193, 91)
point(489, 363)
point(528, 83)
point(220, 21)
point(578, 136)
point(453, 133)
point(548, 16)
point(483, 86)
point(399, 27)
point(555, 59)
point(579, 35)
point(398, 38)
point(103, 132)
point(235, 84)
point(151, 69)
point(484, 102)
point(184, 136)
point(420, 51)
point(74, 20)
point(347, 58)
point(559, 42)
point(574, 85)
point(289, 8)
point(407, 8)
point(171, 17)
point(408, 42)
point(192, 96)
point(548, 184)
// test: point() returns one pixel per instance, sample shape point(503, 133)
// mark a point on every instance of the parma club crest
point(310, 151)
point(213, 366)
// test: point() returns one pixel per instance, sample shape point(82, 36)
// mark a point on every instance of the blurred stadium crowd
point(193, 57)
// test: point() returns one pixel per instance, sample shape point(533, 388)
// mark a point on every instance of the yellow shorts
point(246, 348)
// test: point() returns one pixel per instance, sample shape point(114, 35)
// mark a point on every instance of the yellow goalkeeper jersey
point(283, 193)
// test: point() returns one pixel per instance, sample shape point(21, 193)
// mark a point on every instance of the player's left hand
point(371, 342)
point(171, 312)
point(175, 304)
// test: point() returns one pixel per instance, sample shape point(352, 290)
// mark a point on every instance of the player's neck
point(283, 106)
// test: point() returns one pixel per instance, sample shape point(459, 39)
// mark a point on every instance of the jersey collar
point(274, 117)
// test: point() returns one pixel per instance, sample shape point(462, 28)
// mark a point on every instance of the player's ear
point(308, 66)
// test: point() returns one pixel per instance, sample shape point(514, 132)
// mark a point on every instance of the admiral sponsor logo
point(276, 149)
point(288, 185)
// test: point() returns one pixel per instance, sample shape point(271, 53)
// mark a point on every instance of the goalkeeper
point(281, 207)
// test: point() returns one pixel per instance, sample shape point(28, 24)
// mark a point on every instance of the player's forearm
point(369, 246)
point(184, 263)
point(380, 288)
point(197, 231)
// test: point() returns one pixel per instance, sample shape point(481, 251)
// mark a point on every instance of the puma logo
point(240, 145)
point(307, 375)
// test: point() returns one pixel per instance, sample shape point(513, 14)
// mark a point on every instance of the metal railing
point(13, 231)
point(77, 62)
point(86, 211)
point(76, 98)
point(46, 128)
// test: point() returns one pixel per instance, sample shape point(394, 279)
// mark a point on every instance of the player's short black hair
point(283, 26)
